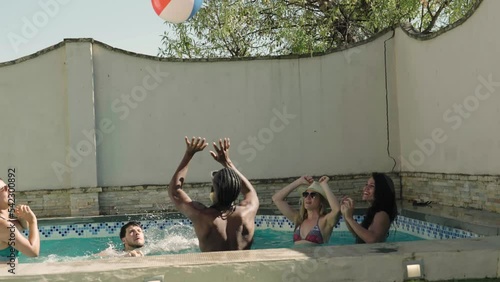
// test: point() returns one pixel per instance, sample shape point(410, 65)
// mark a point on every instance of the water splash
point(173, 239)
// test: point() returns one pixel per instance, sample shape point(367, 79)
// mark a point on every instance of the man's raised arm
point(181, 200)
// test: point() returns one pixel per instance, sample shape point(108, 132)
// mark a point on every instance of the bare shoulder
point(245, 214)
point(6, 227)
point(202, 213)
point(381, 220)
point(198, 205)
point(246, 205)
point(382, 215)
point(7, 224)
point(18, 224)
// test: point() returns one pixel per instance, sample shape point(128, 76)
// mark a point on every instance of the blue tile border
point(431, 231)
point(411, 226)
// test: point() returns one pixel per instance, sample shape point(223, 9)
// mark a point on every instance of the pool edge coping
point(486, 250)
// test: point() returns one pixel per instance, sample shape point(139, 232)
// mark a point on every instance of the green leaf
point(241, 28)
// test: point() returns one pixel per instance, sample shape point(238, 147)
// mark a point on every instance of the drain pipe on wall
point(387, 116)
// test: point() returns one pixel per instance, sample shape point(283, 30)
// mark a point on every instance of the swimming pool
point(168, 242)
point(80, 239)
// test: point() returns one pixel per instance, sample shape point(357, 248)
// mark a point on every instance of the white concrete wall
point(449, 117)
point(285, 117)
point(34, 122)
point(81, 166)
point(48, 104)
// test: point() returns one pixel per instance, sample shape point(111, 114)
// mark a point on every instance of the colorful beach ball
point(176, 11)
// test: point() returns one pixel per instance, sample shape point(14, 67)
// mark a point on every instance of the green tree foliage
point(242, 28)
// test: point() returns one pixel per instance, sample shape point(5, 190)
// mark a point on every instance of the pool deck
point(477, 221)
point(441, 260)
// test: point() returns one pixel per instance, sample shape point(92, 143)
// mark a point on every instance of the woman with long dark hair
point(379, 192)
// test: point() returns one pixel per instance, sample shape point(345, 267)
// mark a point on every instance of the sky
point(28, 26)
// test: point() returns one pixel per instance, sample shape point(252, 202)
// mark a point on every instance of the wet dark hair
point(385, 200)
point(227, 184)
point(123, 230)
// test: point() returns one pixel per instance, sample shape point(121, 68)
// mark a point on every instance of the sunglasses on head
point(305, 194)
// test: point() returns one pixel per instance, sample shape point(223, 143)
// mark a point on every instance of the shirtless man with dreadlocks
point(224, 226)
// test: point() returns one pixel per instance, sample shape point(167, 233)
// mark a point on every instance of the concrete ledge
point(476, 221)
point(454, 223)
point(443, 259)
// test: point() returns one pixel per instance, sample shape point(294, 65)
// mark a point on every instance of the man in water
point(223, 226)
point(132, 238)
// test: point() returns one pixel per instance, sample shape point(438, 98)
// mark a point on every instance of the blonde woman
point(313, 225)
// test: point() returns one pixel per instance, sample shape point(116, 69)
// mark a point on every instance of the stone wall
point(61, 203)
point(154, 198)
point(456, 190)
point(465, 191)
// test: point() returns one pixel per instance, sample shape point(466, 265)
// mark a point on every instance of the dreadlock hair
point(385, 200)
point(227, 187)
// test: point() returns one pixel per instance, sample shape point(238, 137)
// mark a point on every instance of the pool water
point(176, 240)
point(269, 239)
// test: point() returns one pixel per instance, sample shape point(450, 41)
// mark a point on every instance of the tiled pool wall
point(448, 190)
point(431, 231)
point(422, 229)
